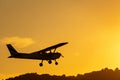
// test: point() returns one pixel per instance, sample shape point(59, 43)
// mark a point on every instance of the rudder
point(12, 50)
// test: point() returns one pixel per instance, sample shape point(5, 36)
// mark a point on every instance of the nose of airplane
point(61, 55)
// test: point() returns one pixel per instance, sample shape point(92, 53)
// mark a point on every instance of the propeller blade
point(62, 56)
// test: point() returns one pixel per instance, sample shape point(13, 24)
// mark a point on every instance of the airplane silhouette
point(44, 54)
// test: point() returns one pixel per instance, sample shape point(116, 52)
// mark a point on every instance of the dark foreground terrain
point(104, 74)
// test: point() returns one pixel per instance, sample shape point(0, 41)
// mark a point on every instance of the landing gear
point(49, 61)
point(56, 63)
point(41, 64)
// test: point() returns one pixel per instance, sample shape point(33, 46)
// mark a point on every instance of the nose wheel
point(56, 63)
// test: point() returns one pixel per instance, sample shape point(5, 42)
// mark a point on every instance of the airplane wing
point(51, 47)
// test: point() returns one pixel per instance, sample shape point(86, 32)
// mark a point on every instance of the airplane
point(47, 54)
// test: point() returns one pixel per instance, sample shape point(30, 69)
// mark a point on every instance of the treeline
point(104, 74)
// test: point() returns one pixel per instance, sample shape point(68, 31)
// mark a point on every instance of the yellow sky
point(91, 27)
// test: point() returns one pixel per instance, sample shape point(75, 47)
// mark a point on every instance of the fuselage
point(37, 56)
point(48, 54)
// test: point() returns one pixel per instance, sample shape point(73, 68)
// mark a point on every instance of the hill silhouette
point(104, 74)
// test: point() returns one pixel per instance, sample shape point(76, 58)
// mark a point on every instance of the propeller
point(62, 56)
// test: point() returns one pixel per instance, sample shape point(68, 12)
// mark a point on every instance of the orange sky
point(91, 27)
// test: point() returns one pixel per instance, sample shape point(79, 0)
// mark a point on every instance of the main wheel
point(49, 61)
point(56, 63)
point(41, 64)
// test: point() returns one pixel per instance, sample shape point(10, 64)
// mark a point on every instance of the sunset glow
point(92, 28)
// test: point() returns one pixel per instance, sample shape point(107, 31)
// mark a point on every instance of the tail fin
point(12, 50)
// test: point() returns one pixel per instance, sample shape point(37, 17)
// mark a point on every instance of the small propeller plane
point(47, 54)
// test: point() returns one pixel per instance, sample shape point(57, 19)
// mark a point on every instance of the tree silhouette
point(104, 74)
